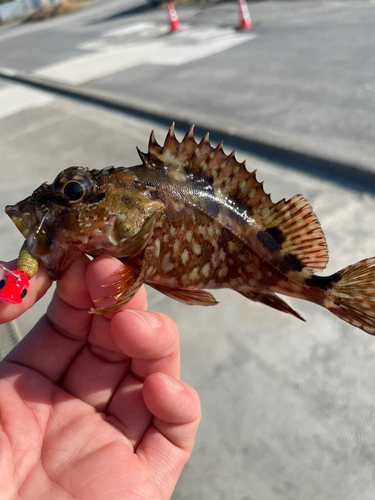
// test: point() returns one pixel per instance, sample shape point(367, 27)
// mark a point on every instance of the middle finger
point(151, 340)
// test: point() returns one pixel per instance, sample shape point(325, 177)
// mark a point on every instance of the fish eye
point(23, 292)
point(2, 283)
point(73, 191)
point(73, 185)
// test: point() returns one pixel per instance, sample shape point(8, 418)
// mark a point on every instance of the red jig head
point(13, 287)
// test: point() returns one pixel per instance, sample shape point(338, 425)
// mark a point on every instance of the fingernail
point(175, 383)
point(150, 319)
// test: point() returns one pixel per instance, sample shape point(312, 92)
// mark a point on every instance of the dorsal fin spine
point(143, 157)
point(190, 133)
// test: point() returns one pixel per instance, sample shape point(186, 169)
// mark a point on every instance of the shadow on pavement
point(125, 13)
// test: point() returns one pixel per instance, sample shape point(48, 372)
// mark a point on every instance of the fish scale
point(190, 218)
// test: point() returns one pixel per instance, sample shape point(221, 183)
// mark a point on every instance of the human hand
point(90, 406)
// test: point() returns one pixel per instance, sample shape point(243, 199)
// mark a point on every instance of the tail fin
point(351, 295)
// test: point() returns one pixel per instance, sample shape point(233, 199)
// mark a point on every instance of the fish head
point(95, 212)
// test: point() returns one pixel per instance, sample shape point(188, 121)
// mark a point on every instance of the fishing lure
point(13, 287)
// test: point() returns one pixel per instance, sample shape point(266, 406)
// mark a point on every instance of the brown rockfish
point(191, 217)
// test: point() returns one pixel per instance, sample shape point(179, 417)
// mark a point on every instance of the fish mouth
point(21, 220)
point(32, 228)
point(42, 242)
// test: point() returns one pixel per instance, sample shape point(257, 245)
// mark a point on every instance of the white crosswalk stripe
point(109, 55)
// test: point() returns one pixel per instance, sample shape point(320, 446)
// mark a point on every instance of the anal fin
point(187, 296)
point(269, 299)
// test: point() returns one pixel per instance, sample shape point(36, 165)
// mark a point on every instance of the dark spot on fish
point(127, 202)
point(276, 234)
point(154, 194)
point(323, 282)
point(268, 241)
point(292, 264)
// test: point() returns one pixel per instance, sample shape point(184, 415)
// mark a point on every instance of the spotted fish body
point(191, 218)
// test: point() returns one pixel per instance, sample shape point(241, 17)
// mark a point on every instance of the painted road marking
point(126, 30)
point(109, 57)
point(88, 67)
point(179, 55)
point(18, 98)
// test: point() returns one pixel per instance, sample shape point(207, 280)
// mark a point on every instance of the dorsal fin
point(291, 223)
point(296, 228)
point(227, 176)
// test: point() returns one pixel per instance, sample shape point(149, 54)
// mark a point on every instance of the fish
point(188, 219)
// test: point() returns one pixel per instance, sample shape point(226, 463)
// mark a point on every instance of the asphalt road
point(303, 78)
point(288, 407)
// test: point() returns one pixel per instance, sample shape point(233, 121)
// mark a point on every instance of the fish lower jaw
point(38, 244)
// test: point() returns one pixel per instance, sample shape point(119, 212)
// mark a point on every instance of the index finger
point(60, 335)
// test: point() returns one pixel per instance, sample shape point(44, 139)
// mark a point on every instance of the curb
point(298, 154)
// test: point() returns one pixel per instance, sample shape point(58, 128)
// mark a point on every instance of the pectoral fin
point(135, 244)
point(131, 278)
